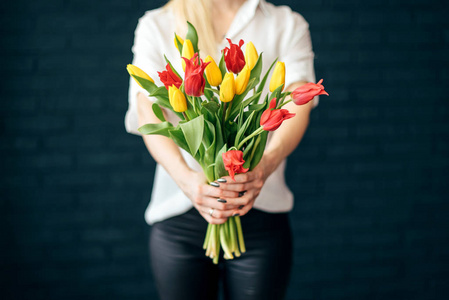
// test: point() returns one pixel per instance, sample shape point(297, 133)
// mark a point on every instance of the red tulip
point(233, 162)
point(234, 58)
point(307, 92)
point(169, 78)
point(194, 80)
point(272, 118)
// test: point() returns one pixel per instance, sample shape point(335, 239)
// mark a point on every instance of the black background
point(370, 176)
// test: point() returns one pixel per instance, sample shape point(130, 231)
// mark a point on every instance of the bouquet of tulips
point(223, 125)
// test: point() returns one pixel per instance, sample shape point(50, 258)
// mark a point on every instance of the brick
point(330, 19)
point(114, 6)
point(66, 22)
point(69, 141)
point(383, 272)
point(98, 43)
point(432, 18)
point(18, 64)
point(25, 106)
point(44, 161)
point(30, 6)
point(36, 124)
point(384, 18)
point(63, 63)
point(86, 180)
point(14, 44)
point(21, 180)
point(412, 37)
point(343, 291)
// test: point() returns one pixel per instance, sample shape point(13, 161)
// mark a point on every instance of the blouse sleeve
point(146, 58)
point(297, 52)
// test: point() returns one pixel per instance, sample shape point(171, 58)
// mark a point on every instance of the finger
point(242, 186)
point(212, 220)
point(215, 216)
point(206, 214)
point(219, 190)
point(239, 178)
point(244, 210)
point(216, 203)
point(218, 213)
point(248, 197)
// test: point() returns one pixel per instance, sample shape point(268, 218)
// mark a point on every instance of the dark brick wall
point(370, 176)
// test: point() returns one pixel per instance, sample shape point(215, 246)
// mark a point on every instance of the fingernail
point(236, 215)
point(213, 183)
point(241, 194)
point(221, 180)
point(241, 206)
point(222, 200)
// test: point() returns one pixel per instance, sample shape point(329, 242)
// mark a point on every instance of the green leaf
point(212, 90)
point(160, 91)
point(240, 118)
point(158, 112)
point(177, 136)
point(207, 90)
point(256, 107)
point(237, 101)
point(157, 128)
point(220, 170)
point(192, 35)
point(209, 134)
point(230, 130)
point(257, 70)
point(171, 66)
point(193, 132)
point(148, 85)
point(222, 65)
point(209, 155)
point(179, 45)
point(264, 80)
point(242, 130)
point(218, 134)
point(276, 93)
point(251, 99)
point(248, 148)
point(211, 106)
point(258, 153)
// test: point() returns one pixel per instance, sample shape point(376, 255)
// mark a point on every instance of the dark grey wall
point(370, 176)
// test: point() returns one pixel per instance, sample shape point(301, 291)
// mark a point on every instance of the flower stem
point(206, 240)
point(225, 106)
point(185, 116)
point(256, 132)
point(286, 102)
point(240, 234)
point(224, 242)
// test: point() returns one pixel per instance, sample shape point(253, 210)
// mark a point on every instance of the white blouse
point(276, 31)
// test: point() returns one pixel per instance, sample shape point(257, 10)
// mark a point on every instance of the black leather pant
point(183, 272)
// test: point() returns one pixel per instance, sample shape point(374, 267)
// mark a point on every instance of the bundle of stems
point(228, 235)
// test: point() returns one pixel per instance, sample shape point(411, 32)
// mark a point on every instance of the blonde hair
point(197, 12)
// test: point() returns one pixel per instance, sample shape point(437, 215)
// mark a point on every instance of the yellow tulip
point(177, 99)
point(212, 71)
point(133, 70)
point(180, 40)
point(241, 82)
point(227, 89)
point(278, 77)
point(187, 52)
point(251, 55)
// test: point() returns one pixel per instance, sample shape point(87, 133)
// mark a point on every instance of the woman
point(182, 203)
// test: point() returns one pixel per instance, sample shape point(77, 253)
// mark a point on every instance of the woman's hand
point(248, 186)
point(210, 200)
